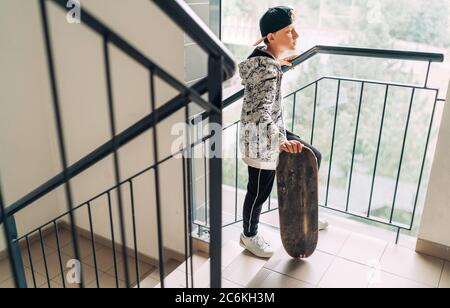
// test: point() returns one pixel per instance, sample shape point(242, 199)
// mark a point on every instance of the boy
point(263, 134)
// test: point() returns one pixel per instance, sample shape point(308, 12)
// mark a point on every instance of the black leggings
point(260, 184)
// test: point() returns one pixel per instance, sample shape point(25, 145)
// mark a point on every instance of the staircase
point(124, 205)
point(232, 255)
point(239, 267)
point(146, 214)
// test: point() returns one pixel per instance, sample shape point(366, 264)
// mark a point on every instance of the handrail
point(371, 53)
point(102, 151)
point(221, 67)
point(351, 51)
point(182, 15)
point(122, 182)
point(186, 19)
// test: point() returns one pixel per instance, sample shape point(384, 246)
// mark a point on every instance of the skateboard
point(297, 180)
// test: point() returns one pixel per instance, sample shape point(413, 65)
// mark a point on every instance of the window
point(412, 25)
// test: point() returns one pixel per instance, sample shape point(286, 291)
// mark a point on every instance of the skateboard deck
point(297, 180)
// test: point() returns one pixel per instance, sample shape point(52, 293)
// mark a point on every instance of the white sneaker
point(323, 224)
point(257, 246)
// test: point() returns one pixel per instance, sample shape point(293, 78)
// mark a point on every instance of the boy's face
point(285, 39)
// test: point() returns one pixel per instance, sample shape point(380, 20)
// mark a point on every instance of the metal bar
point(216, 15)
point(237, 172)
point(200, 117)
point(91, 228)
point(401, 156)
point(233, 124)
point(133, 216)
point(111, 222)
point(206, 183)
point(424, 159)
point(428, 74)
point(332, 142)
point(215, 97)
point(61, 267)
point(45, 259)
point(189, 192)
point(31, 262)
point(199, 231)
point(392, 84)
point(60, 132)
point(354, 146)
point(293, 112)
point(374, 53)
point(101, 152)
point(157, 182)
point(188, 153)
point(398, 236)
point(112, 122)
point(314, 112)
point(186, 252)
point(378, 151)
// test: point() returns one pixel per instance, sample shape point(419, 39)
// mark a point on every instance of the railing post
point(16, 261)
point(215, 79)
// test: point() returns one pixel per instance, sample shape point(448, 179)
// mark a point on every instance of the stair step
point(153, 278)
point(177, 279)
point(239, 268)
point(175, 273)
point(201, 266)
point(243, 268)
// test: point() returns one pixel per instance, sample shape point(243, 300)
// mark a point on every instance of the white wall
point(27, 156)
point(435, 225)
point(81, 81)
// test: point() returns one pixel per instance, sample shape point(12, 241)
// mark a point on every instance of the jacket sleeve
point(267, 93)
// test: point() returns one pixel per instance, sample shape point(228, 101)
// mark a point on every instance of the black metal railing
point(353, 52)
point(220, 67)
point(106, 196)
point(202, 223)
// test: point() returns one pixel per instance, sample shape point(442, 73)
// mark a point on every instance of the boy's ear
point(270, 37)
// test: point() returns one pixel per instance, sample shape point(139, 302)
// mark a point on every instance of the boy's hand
point(287, 61)
point(292, 146)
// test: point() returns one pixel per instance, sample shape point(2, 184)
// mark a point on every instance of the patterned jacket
point(262, 126)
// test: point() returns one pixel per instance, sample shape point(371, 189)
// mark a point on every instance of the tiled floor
point(48, 272)
point(344, 259)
